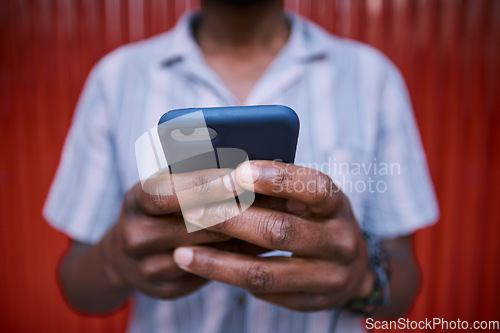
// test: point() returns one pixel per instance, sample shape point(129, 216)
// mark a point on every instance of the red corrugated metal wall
point(448, 51)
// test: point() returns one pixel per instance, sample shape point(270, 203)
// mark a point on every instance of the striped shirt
point(357, 126)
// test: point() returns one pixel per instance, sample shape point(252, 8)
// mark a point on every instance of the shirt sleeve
point(404, 199)
point(85, 196)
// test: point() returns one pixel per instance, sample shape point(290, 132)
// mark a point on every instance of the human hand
point(330, 264)
point(137, 251)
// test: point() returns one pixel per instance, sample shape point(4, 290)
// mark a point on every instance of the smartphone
point(223, 137)
point(218, 137)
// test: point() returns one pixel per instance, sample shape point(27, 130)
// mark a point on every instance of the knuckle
point(346, 247)
point(135, 241)
point(278, 230)
point(323, 191)
point(337, 280)
point(258, 278)
point(281, 178)
point(130, 238)
point(202, 184)
point(158, 202)
point(158, 186)
point(149, 271)
point(156, 193)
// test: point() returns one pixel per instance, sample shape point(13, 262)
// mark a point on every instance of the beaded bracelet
point(379, 263)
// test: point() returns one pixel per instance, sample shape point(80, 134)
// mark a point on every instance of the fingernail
point(249, 173)
point(183, 256)
point(193, 214)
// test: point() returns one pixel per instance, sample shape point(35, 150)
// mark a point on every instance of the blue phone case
point(264, 132)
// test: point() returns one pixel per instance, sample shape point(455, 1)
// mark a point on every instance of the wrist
point(375, 287)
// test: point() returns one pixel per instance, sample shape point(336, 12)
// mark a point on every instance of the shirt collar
point(307, 41)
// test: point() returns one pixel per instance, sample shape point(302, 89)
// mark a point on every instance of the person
point(358, 146)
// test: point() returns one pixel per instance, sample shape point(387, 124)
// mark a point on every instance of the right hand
point(137, 251)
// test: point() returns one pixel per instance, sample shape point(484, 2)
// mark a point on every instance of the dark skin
point(240, 41)
point(149, 249)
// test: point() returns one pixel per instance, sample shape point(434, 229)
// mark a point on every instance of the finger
point(263, 275)
point(200, 188)
point(173, 289)
point(311, 187)
point(283, 231)
point(160, 267)
point(269, 202)
point(150, 235)
point(165, 193)
point(281, 204)
point(238, 246)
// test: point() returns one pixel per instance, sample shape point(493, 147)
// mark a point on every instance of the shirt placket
point(196, 68)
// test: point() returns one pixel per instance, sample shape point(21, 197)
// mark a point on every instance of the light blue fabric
point(355, 118)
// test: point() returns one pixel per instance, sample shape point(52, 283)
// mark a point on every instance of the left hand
point(330, 264)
